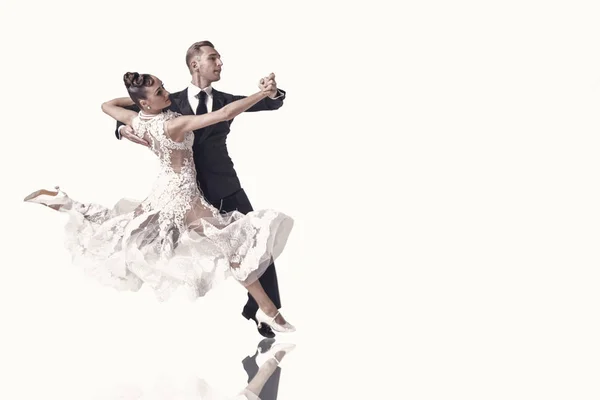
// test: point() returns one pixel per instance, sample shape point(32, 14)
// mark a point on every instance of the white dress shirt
point(193, 91)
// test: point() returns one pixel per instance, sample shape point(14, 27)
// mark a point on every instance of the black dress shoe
point(265, 330)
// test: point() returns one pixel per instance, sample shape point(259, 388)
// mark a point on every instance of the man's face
point(208, 64)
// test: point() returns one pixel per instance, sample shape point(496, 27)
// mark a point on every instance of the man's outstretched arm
point(272, 102)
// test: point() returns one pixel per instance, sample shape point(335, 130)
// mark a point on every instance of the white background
point(440, 160)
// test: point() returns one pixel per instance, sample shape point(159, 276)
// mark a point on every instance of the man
point(217, 178)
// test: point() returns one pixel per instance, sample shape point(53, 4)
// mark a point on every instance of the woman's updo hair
point(136, 85)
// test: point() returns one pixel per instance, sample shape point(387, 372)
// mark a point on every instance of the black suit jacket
point(215, 171)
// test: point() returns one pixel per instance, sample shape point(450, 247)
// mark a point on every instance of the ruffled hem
point(123, 251)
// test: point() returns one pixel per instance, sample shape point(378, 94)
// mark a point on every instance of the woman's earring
point(148, 107)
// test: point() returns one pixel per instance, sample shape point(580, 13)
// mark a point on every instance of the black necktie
point(201, 109)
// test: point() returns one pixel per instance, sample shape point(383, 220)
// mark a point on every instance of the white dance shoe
point(263, 318)
point(270, 354)
point(53, 199)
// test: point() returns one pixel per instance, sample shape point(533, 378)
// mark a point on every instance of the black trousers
point(239, 201)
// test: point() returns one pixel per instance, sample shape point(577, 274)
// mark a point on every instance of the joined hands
point(268, 85)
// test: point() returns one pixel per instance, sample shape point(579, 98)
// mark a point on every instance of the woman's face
point(157, 97)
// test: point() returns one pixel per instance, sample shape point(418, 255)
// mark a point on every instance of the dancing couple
point(197, 226)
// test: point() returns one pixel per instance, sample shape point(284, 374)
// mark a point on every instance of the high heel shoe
point(262, 358)
point(53, 199)
point(263, 318)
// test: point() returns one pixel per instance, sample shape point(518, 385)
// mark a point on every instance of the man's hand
point(268, 85)
point(127, 133)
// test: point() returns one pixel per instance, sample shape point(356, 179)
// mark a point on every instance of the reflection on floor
point(263, 370)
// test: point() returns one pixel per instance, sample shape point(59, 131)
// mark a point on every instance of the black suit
point(216, 175)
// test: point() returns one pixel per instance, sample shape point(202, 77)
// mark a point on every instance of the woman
point(174, 239)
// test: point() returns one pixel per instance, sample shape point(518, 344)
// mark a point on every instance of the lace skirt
point(127, 246)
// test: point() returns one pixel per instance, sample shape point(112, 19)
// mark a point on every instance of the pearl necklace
point(147, 116)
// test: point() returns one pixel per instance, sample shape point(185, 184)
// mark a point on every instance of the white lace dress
point(174, 239)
